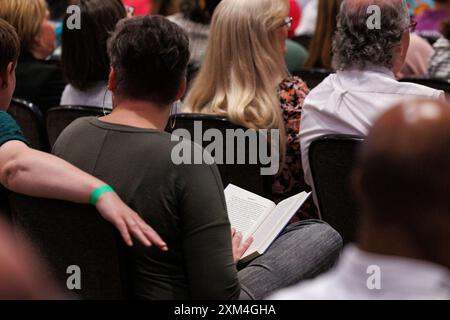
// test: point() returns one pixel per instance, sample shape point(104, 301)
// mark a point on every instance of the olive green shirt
point(183, 203)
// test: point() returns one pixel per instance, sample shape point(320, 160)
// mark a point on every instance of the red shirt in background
point(296, 14)
point(142, 7)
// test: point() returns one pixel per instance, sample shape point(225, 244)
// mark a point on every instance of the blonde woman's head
point(244, 64)
point(252, 27)
point(30, 19)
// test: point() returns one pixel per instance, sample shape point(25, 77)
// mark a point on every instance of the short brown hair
point(26, 16)
point(150, 56)
point(9, 45)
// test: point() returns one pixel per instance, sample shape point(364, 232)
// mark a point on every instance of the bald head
point(404, 168)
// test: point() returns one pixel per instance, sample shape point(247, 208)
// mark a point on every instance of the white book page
point(246, 210)
point(275, 222)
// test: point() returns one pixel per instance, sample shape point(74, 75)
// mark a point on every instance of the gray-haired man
point(370, 46)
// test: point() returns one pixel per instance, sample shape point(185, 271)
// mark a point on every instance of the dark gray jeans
point(303, 251)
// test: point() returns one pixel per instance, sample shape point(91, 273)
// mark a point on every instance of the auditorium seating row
point(72, 234)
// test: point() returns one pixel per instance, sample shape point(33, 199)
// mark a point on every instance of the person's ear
point(182, 90)
point(11, 69)
point(7, 77)
point(112, 80)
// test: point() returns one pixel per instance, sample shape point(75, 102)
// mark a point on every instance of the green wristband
point(97, 193)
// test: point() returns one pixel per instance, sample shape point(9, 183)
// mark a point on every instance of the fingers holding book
point(239, 246)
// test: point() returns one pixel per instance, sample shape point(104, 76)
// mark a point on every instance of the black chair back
point(246, 176)
point(313, 77)
point(438, 84)
point(331, 160)
point(31, 121)
point(60, 117)
point(68, 234)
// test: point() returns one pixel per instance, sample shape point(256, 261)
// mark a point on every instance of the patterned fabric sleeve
point(439, 65)
point(290, 181)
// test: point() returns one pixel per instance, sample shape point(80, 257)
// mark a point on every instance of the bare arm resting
point(38, 174)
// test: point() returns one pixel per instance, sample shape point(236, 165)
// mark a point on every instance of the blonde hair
point(26, 16)
point(243, 66)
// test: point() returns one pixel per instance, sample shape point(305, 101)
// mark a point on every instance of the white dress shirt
point(353, 279)
point(349, 102)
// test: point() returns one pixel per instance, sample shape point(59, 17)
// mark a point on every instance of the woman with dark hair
point(84, 58)
point(195, 18)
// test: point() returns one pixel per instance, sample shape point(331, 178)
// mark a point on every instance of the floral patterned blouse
point(290, 180)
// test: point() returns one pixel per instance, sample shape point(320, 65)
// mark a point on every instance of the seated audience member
point(38, 81)
point(85, 62)
point(195, 19)
point(320, 49)
point(239, 80)
point(402, 181)
point(38, 174)
point(149, 56)
point(364, 86)
point(429, 21)
point(440, 62)
point(417, 58)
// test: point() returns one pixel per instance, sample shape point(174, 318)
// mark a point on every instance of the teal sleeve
point(9, 129)
point(296, 56)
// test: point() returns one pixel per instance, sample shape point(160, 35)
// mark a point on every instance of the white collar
point(380, 70)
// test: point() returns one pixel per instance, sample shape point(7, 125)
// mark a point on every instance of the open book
point(260, 218)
